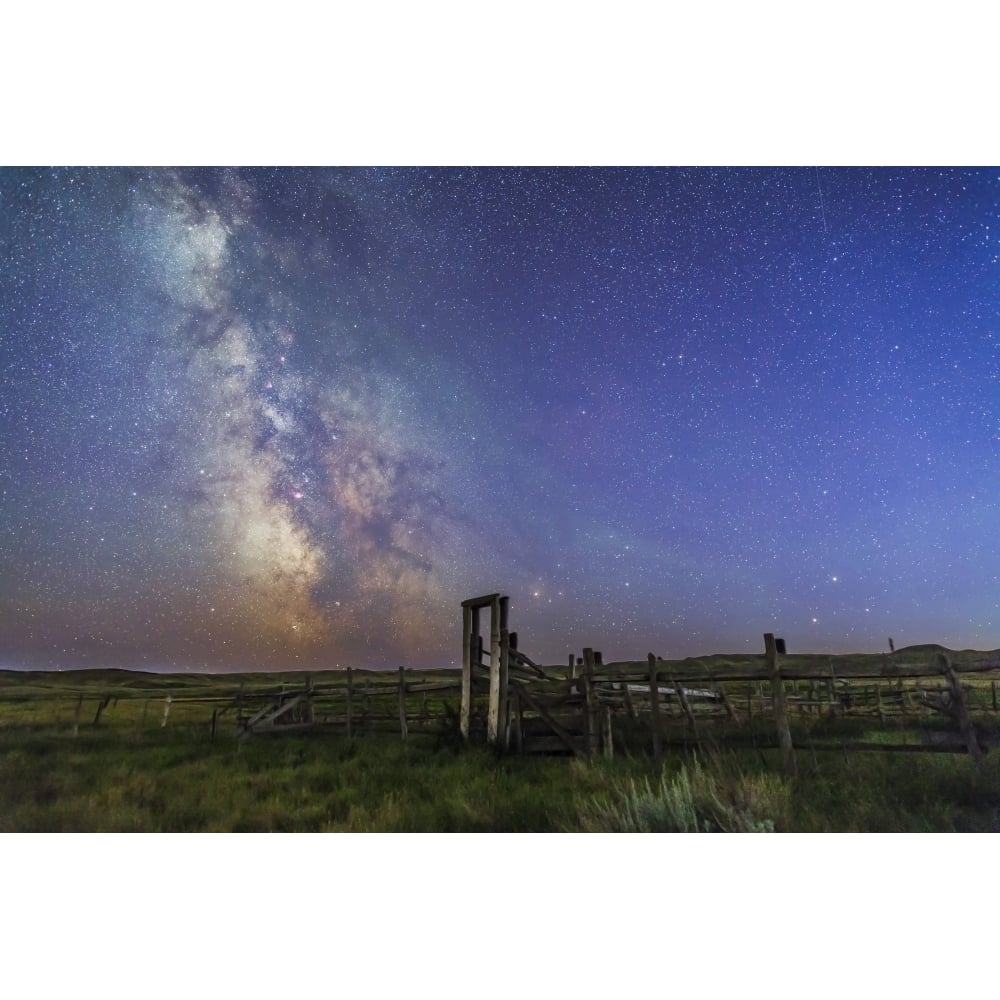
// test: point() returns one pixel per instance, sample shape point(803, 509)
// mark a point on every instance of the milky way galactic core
point(291, 418)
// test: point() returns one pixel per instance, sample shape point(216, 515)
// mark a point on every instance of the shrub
point(693, 800)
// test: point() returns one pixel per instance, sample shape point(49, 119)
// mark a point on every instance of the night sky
point(292, 418)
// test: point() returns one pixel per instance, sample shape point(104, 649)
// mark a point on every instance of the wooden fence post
point(609, 739)
point(466, 708)
point(76, 716)
point(627, 695)
point(962, 712)
point(780, 708)
point(591, 724)
point(402, 702)
point(504, 670)
point(685, 706)
point(350, 701)
point(215, 715)
point(493, 716)
point(166, 711)
point(654, 705)
point(726, 703)
point(518, 720)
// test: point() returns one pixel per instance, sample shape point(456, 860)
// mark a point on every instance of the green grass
point(178, 780)
point(174, 780)
point(128, 773)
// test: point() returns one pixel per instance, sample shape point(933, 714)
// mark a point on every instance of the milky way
point(291, 418)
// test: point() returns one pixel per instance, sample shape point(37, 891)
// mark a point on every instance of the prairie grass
point(691, 799)
point(128, 772)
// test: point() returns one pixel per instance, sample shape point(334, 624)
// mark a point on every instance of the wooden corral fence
point(350, 702)
point(916, 699)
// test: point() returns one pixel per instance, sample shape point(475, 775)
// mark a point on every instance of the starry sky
point(291, 418)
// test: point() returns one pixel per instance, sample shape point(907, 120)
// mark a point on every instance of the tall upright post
point(350, 701)
point(780, 707)
point(402, 702)
point(591, 722)
point(466, 671)
point(654, 705)
point(504, 670)
point(493, 719)
point(961, 711)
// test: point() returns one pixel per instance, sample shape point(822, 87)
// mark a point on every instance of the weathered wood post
point(962, 712)
point(654, 706)
point(215, 717)
point(466, 671)
point(518, 722)
point(493, 716)
point(166, 711)
point(472, 657)
point(350, 701)
point(780, 707)
point(504, 670)
point(726, 703)
point(684, 703)
point(402, 702)
point(590, 722)
point(76, 716)
point(626, 694)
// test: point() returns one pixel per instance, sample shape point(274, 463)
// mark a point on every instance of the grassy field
point(129, 773)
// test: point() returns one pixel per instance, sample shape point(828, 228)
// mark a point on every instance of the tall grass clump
point(693, 800)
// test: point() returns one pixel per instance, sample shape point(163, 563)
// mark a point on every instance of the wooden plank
point(780, 707)
point(475, 603)
point(267, 718)
point(563, 735)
